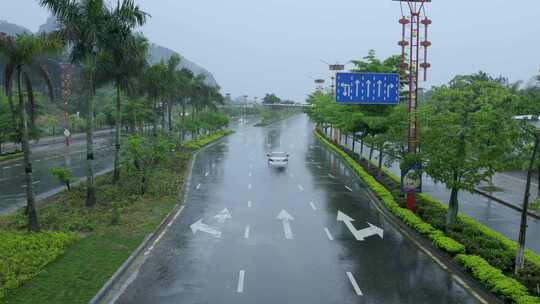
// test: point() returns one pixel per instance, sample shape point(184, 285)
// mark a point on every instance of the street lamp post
point(520, 254)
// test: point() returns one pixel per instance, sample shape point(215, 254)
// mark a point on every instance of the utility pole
point(411, 32)
point(66, 93)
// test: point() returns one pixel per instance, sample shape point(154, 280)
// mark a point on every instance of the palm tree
point(155, 86)
point(171, 79)
point(24, 52)
point(123, 63)
point(87, 25)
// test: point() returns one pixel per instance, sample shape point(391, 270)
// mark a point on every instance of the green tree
point(88, 25)
point(25, 51)
point(123, 62)
point(467, 129)
point(271, 99)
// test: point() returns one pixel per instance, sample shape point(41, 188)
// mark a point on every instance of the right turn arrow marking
point(359, 235)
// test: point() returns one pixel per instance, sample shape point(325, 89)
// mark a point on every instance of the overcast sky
point(253, 47)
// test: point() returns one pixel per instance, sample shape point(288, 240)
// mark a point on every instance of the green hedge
point(506, 288)
point(203, 141)
point(5, 157)
point(439, 238)
point(24, 255)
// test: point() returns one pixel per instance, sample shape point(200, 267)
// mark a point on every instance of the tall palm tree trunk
point(118, 121)
point(169, 114)
point(183, 120)
point(33, 224)
point(90, 187)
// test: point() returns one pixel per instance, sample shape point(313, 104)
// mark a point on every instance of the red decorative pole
point(416, 10)
point(66, 92)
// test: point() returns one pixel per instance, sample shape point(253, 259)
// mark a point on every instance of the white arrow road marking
point(198, 186)
point(348, 188)
point(313, 206)
point(359, 235)
point(223, 216)
point(300, 188)
point(328, 234)
point(354, 284)
point(246, 232)
point(285, 217)
point(206, 174)
point(200, 226)
point(147, 252)
point(241, 276)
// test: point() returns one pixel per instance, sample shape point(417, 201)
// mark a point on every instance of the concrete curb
point(446, 263)
point(153, 235)
point(505, 203)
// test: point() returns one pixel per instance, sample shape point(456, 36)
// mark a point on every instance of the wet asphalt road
point(12, 184)
point(248, 254)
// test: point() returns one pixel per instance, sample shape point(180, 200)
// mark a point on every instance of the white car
point(278, 159)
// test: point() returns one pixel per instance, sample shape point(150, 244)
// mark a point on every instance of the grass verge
point(80, 248)
point(10, 156)
point(462, 243)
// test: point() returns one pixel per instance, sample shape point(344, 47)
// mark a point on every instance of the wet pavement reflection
point(252, 234)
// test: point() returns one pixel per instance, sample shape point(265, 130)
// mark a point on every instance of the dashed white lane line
point(207, 173)
point(249, 204)
point(249, 174)
point(36, 182)
point(251, 166)
point(331, 176)
point(300, 188)
point(198, 186)
point(348, 188)
point(241, 277)
point(291, 175)
point(250, 186)
point(147, 252)
point(312, 206)
point(246, 232)
point(328, 234)
point(354, 284)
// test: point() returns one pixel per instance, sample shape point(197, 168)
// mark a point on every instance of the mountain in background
point(157, 52)
point(12, 29)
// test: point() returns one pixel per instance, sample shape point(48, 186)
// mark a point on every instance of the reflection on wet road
point(12, 184)
point(308, 234)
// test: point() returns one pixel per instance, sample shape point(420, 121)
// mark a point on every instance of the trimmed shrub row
point(506, 288)
point(24, 255)
point(203, 141)
point(513, 294)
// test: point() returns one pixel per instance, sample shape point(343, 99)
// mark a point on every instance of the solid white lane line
point(198, 186)
point(300, 187)
point(246, 232)
point(330, 237)
point(354, 284)
point(313, 206)
point(241, 276)
point(147, 252)
point(348, 188)
point(249, 204)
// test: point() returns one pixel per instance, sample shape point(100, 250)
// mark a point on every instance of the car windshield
point(278, 154)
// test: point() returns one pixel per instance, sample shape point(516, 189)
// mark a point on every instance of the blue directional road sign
point(367, 88)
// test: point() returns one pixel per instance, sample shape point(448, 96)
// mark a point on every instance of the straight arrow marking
point(246, 232)
point(285, 217)
point(354, 284)
point(223, 216)
point(241, 277)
